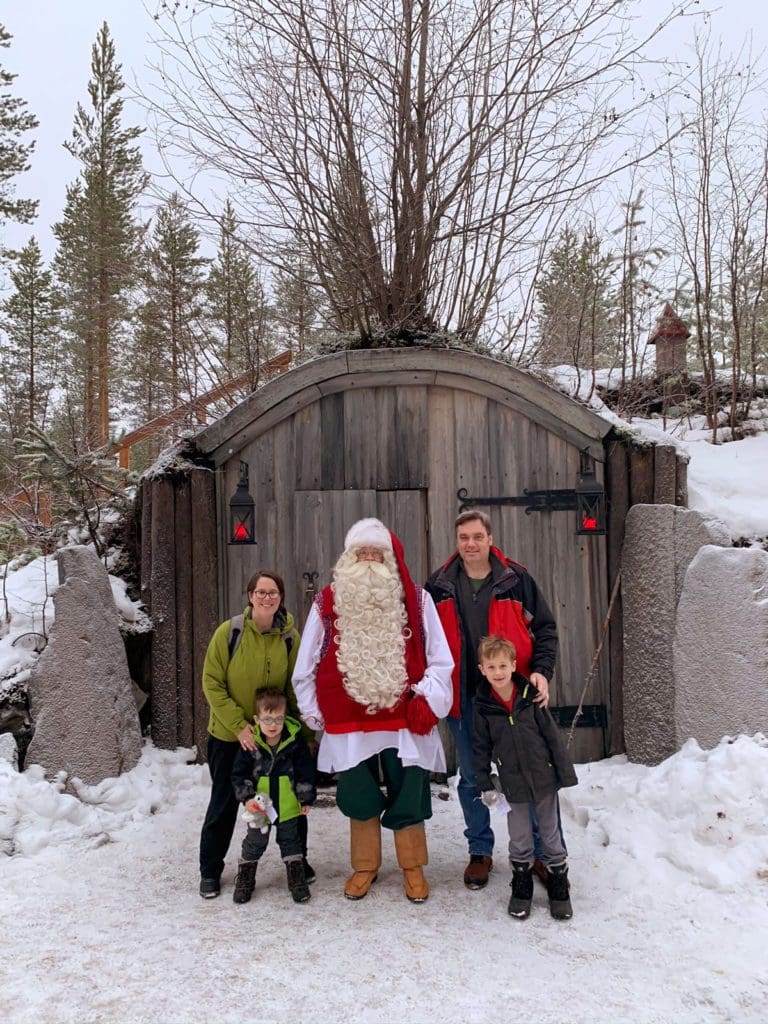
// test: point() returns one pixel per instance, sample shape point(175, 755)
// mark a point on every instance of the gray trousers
point(521, 832)
point(288, 839)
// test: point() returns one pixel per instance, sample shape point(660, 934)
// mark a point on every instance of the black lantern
point(590, 499)
point(241, 511)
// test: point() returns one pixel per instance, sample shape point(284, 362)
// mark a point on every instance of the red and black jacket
point(517, 611)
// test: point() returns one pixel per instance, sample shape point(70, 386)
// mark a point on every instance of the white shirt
point(340, 751)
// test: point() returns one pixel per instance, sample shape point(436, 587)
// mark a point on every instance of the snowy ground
point(101, 920)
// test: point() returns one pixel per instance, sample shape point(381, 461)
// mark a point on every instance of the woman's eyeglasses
point(267, 595)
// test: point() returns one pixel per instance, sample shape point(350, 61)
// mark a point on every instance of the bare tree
point(719, 194)
point(417, 146)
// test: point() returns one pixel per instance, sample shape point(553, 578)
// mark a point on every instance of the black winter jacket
point(285, 772)
point(516, 610)
point(526, 746)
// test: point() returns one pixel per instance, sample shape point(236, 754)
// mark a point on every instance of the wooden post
point(185, 586)
point(641, 476)
point(204, 596)
point(163, 586)
point(664, 474)
point(145, 544)
point(617, 487)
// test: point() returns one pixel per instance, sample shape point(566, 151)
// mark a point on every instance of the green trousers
point(405, 799)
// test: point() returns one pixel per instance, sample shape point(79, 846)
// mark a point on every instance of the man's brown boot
point(541, 872)
point(365, 856)
point(411, 848)
point(477, 871)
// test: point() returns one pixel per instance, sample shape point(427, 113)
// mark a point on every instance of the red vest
point(342, 714)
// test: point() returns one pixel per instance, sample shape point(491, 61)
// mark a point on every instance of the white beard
point(370, 616)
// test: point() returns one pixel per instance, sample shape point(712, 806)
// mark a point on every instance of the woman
point(262, 654)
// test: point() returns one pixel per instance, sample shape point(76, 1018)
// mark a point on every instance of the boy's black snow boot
point(245, 882)
point(297, 880)
point(522, 889)
point(559, 889)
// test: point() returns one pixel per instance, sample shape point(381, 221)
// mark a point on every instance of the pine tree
point(174, 295)
point(15, 122)
point(30, 317)
point(237, 306)
point(80, 482)
point(574, 302)
point(98, 237)
point(222, 288)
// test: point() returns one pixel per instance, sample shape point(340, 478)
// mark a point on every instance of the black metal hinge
point(562, 500)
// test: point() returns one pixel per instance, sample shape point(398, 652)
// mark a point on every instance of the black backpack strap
point(236, 625)
point(235, 634)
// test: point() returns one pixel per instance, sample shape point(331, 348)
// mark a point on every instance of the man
point(480, 592)
point(374, 671)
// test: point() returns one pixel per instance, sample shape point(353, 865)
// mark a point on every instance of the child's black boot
point(245, 882)
point(297, 880)
point(559, 889)
point(522, 889)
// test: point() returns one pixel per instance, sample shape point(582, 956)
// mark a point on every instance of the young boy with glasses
point(280, 766)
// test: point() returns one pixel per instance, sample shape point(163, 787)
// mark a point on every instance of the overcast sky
point(51, 50)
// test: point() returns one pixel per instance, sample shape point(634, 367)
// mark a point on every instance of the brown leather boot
point(411, 847)
point(365, 856)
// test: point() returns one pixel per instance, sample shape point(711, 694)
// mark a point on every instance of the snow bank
point(701, 813)
point(35, 813)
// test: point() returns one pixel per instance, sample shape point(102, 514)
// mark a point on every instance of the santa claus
point(374, 672)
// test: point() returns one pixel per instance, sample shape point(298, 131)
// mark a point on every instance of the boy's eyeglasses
point(270, 719)
point(267, 595)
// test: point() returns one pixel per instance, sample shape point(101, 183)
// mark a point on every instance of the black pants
point(221, 816)
point(287, 833)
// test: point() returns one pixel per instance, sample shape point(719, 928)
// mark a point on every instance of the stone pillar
point(660, 542)
point(80, 693)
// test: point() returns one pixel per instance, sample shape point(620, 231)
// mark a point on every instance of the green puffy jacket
point(285, 772)
point(261, 660)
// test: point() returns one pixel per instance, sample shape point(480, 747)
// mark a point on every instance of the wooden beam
point(641, 476)
point(347, 371)
point(617, 488)
point(163, 586)
point(185, 585)
point(204, 596)
point(664, 474)
point(197, 406)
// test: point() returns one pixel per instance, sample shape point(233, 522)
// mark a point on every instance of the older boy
point(280, 766)
point(521, 738)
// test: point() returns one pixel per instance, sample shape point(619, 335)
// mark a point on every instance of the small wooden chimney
point(669, 336)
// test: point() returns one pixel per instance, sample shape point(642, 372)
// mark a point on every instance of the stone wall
point(695, 633)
